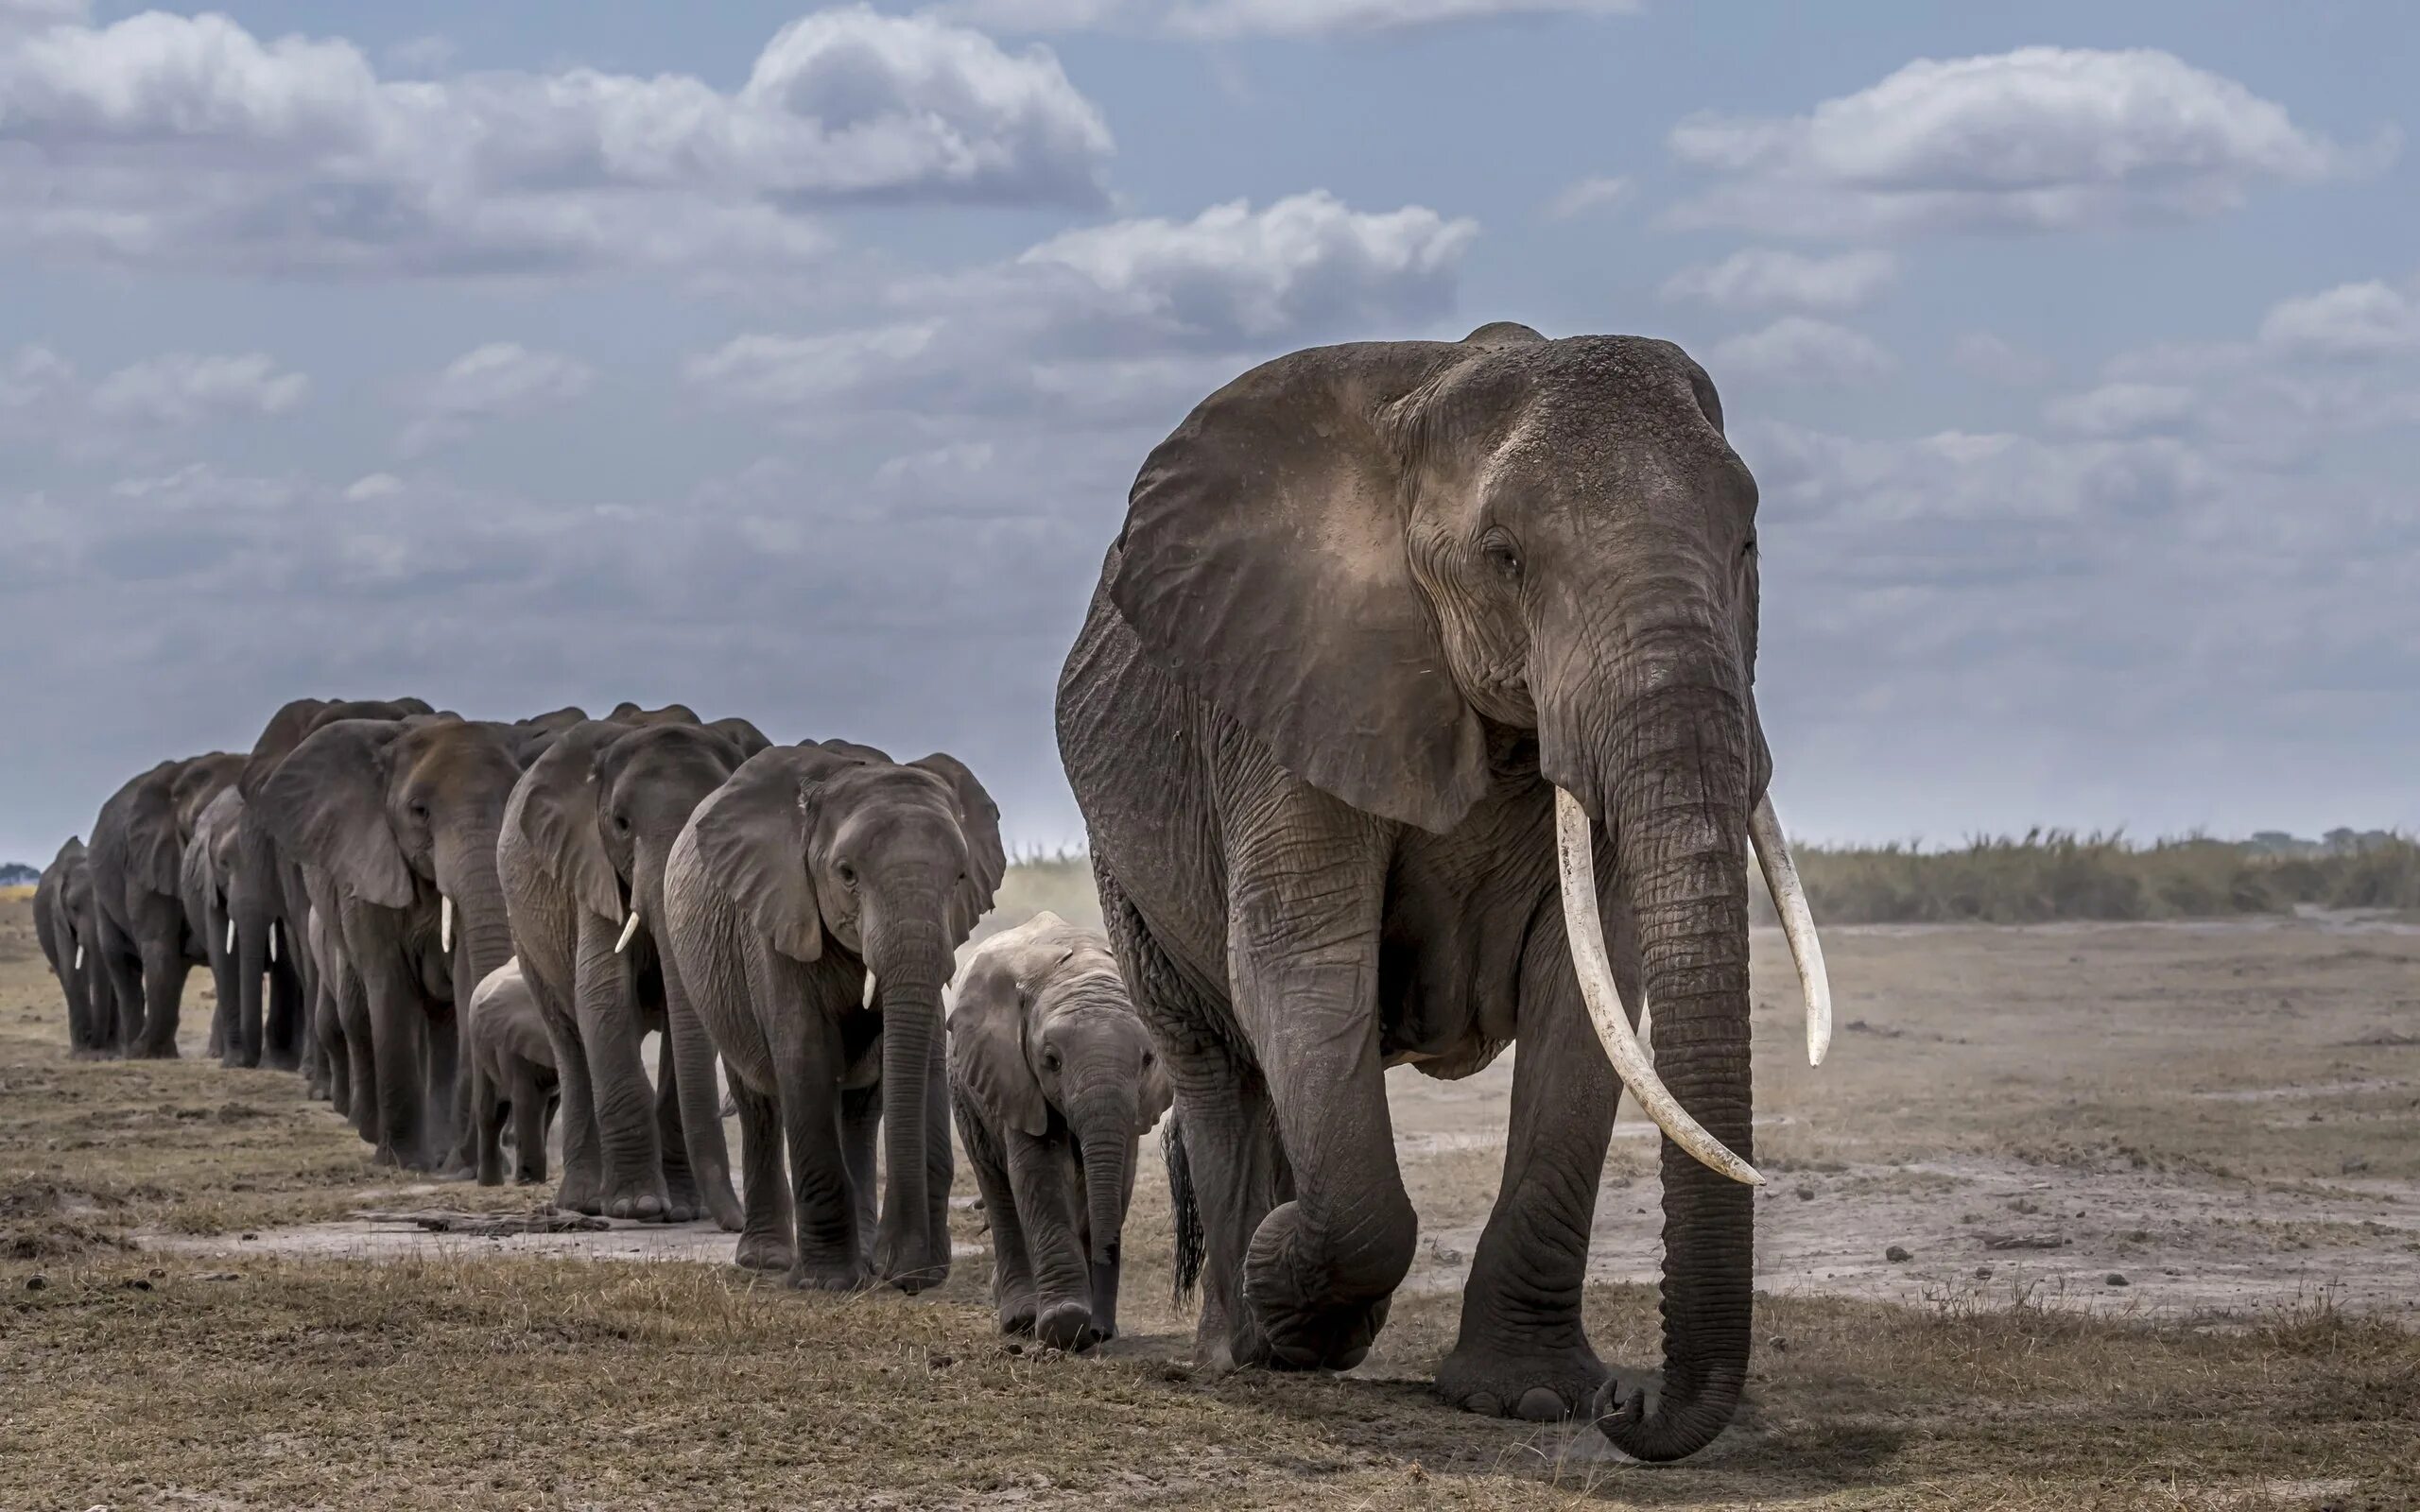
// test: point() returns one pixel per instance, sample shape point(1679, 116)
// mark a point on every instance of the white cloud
point(2115, 409)
point(187, 141)
point(2038, 139)
point(1222, 19)
point(496, 381)
point(1765, 276)
point(1598, 192)
point(374, 486)
point(1799, 350)
point(2371, 320)
point(181, 387)
point(1996, 359)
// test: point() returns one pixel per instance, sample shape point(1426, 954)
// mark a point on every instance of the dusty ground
point(2226, 1117)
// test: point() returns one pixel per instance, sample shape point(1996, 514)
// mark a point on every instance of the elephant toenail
point(1540, 1405)
point(1484, 1403)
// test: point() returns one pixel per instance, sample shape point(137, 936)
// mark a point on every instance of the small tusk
point(80, 957)
point(630, 929)
point(231, 937)
point(1574, 853)
point(1790, 901)
point(871, 990)
point(272, 942)
point(446, 923)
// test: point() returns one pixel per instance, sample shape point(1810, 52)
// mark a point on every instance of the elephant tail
point(1184, 1208)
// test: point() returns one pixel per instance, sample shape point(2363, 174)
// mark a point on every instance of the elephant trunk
point(254, 905)
point(1667, 765)
point(910, 959)
point(1104, 1127)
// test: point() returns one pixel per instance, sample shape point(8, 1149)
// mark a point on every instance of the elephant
point(397, 822)
point(581, 856)
point(285, 1017)
point(63, 927)
point(143, 948)
point(1053, 1081)
point(1413, 712)
point(202, 874)
point(814, 904)
point(513, 1076)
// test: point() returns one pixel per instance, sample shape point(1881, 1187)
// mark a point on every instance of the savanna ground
point(2227, 1117)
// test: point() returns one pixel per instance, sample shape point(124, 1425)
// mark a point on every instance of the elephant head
point(836, 848)
point(1404, 565)
point(200, 781)
point(1045, 1035)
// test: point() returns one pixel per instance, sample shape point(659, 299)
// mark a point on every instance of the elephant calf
point(1053, 1081)
point(512, 1074)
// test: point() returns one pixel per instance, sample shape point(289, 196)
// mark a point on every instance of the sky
point(795, 363)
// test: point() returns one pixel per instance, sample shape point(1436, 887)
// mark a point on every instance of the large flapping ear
point(559, 817)
point(154, 850)
point(1156, 1098)
point(987, 1031)
point(979, 818)
point(752, 836)
point(326, 804)
point(1264, 565)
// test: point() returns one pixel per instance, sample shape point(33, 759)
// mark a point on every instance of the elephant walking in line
point(202, 874)
point(144, 947)
point(512, 1076)
point(1054, 1081)
point(813, 869)
point(278, 1018)
point(63, 927)
point(397, 820)
point(1413, 714)
point(581, 856)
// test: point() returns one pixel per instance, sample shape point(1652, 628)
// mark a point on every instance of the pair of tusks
point(1575, 855)
point(272, 939)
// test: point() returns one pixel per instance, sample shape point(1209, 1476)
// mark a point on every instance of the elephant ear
point(978, 817)
point(154, 851)
point(741, 733)
point(986, 1026)
point(1264, 565)
point(1156, 1097)
point(751, 835)
point(559, 817)
point(326, 804)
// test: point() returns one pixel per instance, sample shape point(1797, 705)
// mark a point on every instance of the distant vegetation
point(2044, 875)
point(17, 874)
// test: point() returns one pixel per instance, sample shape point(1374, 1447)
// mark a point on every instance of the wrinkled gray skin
point(143, 948)
point(1053, 1080)
point(1369, 602)
point(63, 925)
point(390, 816)
point(812, 866)
point(584, 841)
point(202, 874)
point(286, 1015)
point(512, 1076)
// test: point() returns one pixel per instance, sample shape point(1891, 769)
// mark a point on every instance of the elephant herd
point(1413, 714)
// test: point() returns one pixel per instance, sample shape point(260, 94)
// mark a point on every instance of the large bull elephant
point(281, 1002)
point(63, 926)
point(813, 867)
point(398, 818)
point(1420, 675)
point(144, 948)
point(581, 856)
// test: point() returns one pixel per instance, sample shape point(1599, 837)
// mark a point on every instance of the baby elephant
point(1053, 1081)
point(512, 1073)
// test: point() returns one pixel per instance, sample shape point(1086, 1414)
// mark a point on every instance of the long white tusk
point(446, 923)
point(630, 929)
point(231, 937)
point(80, 957)
point(1575, 855)
point(1790, 901)
point(870, 990)
point(272, 942)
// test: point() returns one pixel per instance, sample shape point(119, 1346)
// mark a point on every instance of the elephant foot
point(911, 1267)
point(580, 1191)
point(646, 1205)
point(828, 1275)
point(1286, 1326)
point(146, 1052)
point(1066, 1325)
point(724, 1208)
point(765, 1252)
point(1505, 1380)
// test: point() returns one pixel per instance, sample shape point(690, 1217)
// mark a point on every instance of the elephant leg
point(398, 1044)
point(352, 1006)
point(1013, 1286)
point(766, 1226)
point(164, 969)
point(1042, 1176)
point(281, 1043)
point(334, 1052)
point(487, 1112)
point(530, 1101)
point(119, 994)
point(448, 1135)
point(1523, 1351)
point(699, 1137)
point(861, 1137)
point(582, 1187)
point(808, 1064)
point(222, 978)
point(1236, 1168)
point(679, 1181)
point(624, 1103)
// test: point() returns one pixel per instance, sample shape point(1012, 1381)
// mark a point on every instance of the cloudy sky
point(795, 363)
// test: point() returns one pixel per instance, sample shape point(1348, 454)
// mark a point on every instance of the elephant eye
point(848, 876)
point(622, 822)
point(420, 810)
point(1050, 1059)
point(1502, 554)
